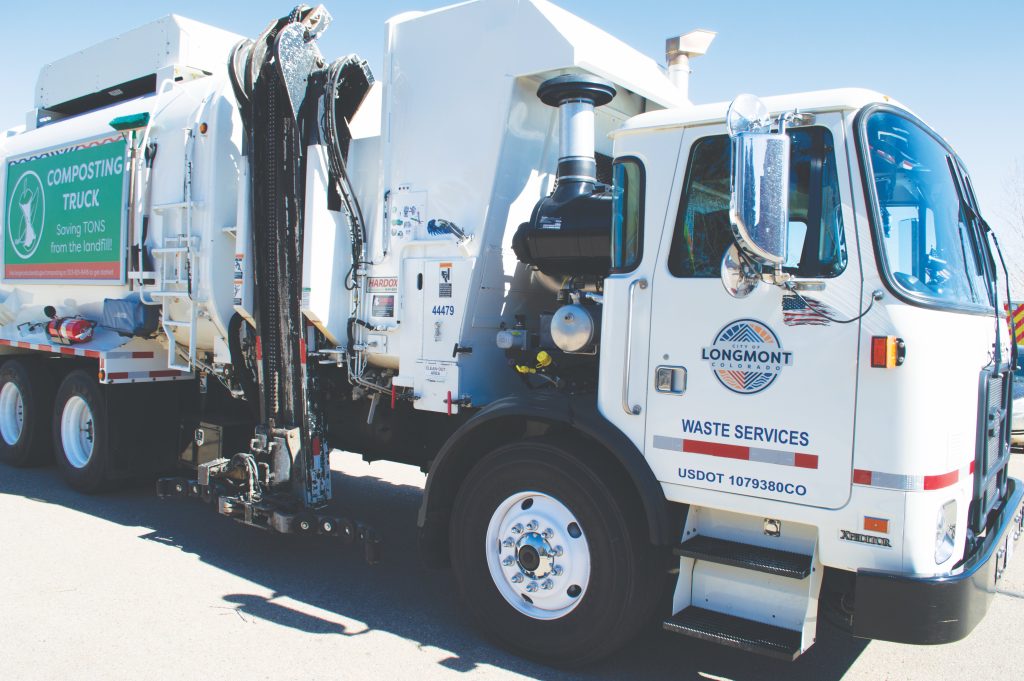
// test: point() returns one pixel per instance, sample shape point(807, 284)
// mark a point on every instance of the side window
point(817, 245)
point(702, 232)
point(627, 214)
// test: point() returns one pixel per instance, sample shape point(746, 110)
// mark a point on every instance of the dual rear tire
point(81, 436)
point(26, 407)
point(39, 424)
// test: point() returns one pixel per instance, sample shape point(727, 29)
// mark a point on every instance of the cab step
point(747, 556)
point(735, 632)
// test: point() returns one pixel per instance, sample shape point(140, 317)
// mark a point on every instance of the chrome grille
point(992, 488)
point(995, 424)
point(992, 454)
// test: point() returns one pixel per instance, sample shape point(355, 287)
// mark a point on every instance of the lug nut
point(548, 533)
point(557, 572)
point(532, 525)
point(531, 587)
point(547, 584)
point(517, 529)
point(508, 542)
point(517, 578)
point(509, 560)
point(558, 551)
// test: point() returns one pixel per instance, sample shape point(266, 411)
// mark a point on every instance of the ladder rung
point(169, 249)
point(168, 294)
point(172, 323)
point(746, 556)
point(168, 206)
point(736, 632)
point(177, 205)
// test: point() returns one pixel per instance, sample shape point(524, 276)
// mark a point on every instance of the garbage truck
point(660, 361)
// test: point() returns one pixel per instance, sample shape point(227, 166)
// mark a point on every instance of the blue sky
point(958, 65)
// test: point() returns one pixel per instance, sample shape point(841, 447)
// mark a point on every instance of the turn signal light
point(887, 352)
point(876, 524)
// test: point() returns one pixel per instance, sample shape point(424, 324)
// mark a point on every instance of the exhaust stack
point(678, 52)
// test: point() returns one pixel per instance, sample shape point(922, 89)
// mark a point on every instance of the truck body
point(657, 359)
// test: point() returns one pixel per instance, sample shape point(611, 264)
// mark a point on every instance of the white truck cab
point(805, 414)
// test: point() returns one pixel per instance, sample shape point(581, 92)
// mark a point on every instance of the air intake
point(570, 231)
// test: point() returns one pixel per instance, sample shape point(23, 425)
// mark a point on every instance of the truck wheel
point(26, 397)
point(81, 438)
point(551, 558)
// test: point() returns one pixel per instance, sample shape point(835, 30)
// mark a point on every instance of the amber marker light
point(887, 352)
point(876, 524)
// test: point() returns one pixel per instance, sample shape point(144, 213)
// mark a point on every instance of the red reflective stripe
point(67, 351)
point(861, 477)
point(805, 460)
point(940, 481)
point(92, 353)
point(259, 348)
point(164, 373)
point(972, 468)
point(116, 376)
point(716, 449)
point(302, 351)
point(142, 355)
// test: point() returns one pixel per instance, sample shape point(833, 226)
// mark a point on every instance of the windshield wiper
point(982, 229)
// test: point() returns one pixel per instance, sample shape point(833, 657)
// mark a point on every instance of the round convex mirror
point(739, 276)
point(747, 113)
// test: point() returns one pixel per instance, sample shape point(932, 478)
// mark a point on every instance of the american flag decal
point(804, 311)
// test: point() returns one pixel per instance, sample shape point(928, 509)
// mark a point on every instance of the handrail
point(635, 409)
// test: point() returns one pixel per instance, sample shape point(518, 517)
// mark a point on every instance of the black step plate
point(735, 632)
point(748, 556)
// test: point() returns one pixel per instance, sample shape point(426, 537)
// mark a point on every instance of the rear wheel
point(26, 398)
point(81, 435)
point(551, 557)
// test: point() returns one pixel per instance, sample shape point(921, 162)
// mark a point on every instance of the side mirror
point(759, 201)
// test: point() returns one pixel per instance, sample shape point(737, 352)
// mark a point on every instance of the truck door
point(755, 395)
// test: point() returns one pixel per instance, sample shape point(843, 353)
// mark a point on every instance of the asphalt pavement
point(125, 586)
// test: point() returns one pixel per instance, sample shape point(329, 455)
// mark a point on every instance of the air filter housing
point(569, 232)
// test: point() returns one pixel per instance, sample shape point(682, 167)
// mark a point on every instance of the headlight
point(945, 532)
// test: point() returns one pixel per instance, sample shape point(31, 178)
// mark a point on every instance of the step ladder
point(746, 594)
point(175, 281)
point(177, 272)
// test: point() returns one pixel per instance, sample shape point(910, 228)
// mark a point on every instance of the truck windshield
point(930, 250)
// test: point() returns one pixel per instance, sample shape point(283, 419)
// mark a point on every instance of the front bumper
point(926, 610)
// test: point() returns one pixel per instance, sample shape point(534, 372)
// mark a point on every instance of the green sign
point(65, 213)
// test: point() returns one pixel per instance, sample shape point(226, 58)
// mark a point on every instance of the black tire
point(628, 575)
point(96, 474)
point(31, 447)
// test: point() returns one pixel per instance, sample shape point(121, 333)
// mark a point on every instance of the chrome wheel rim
point(538, 555)
point(12, 413)
point(77, 431)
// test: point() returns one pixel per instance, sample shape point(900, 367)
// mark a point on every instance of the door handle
point(670, 380)
point(632, 410)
